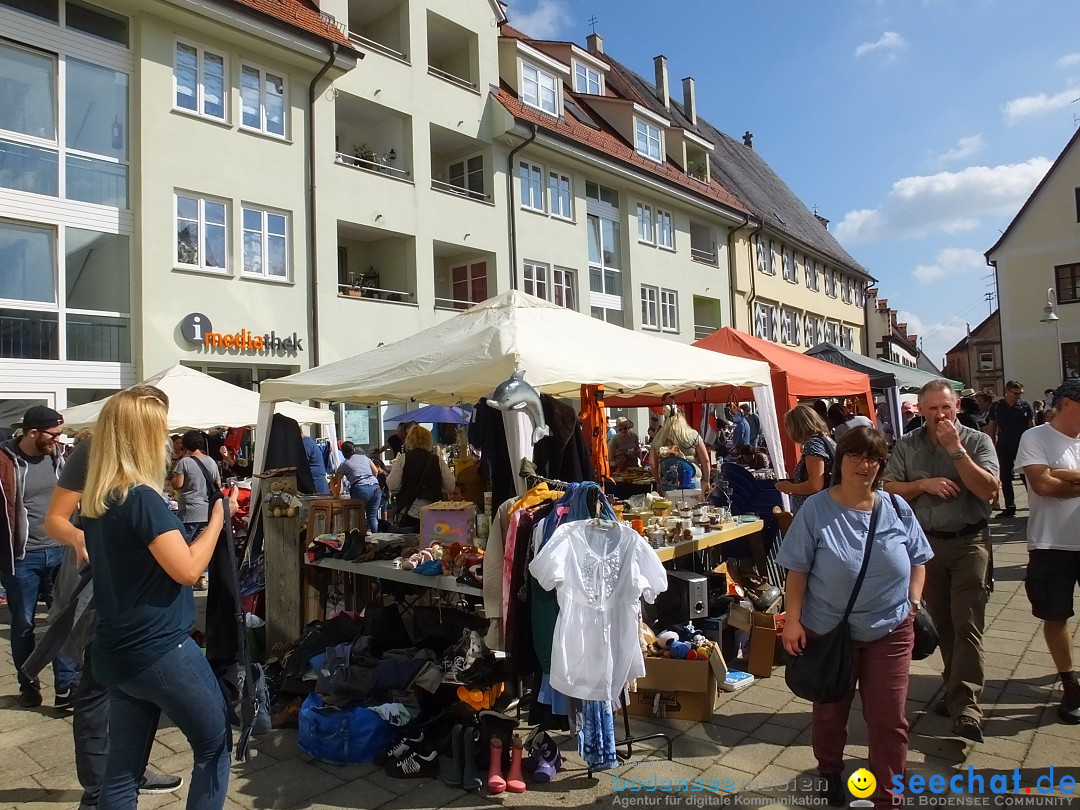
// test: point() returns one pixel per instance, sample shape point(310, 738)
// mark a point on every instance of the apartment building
point(152, 191)
point(976, 359)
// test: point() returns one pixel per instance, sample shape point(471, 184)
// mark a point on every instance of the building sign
point(197, 329)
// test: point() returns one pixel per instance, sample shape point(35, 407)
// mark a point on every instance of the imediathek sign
point(197, 329)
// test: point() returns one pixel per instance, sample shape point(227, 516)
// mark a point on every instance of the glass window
point(536, 280)
point(645, 223)
point(199, 76)
point(97, 105)
point(561, 195)
point(770, 259)
point(262, 96)
point(98, 338)
point(531, 180)
point(249, 97)
point(186, 77)
point(647, 139)
point(469, 284)
point(97, 22)
point(27, 92)
point(468, 175)
point(46, 9)
point(669, 310)
point(29, 168)
point(27, 263)
point(564, 283)
point(29, 335)
point(586, 80)
point(201, 239)
point(266, 243)
point(609, 231)
point(1070, 359)
point(213, 85)
point(539, 89)
point(97, 181)
point(97, 270)
point(665, 229)
point(650, 297)
point(1068, 282)
point(762, 258)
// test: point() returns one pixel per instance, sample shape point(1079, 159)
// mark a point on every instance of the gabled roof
point(973, 333)
point(1033, 195)
point(299, 14)
point(744, 171)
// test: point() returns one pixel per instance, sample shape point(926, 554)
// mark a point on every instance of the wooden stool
point(335, 515)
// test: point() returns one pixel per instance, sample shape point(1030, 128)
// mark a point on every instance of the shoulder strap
point(866, 556)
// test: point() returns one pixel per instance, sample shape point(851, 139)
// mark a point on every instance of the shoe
point(64, 699)
point(402, 747)
point(457, 757)
point(545, 759)
point(834, 793)
point(414, 765)
point(477, 649)
point(470, 776)
point(968, 727)
point(355, 545)
point(1069, 709)
point(1007, 512)
point(495, 782)
point(154, 782)
point(30, 697)
point(515, 782)
point(482, 673)
point(941, 708)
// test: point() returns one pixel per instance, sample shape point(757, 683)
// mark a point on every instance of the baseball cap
point(1070, 389)
point(40, 417)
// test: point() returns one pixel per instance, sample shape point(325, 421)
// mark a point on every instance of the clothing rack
point(531, 480)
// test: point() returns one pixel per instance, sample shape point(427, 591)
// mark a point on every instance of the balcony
point(707, 316)
point(460, 165)
point(702, 244)
point(381, 26)
point(463, 276)
point(376, 265)
point(453, 53)
point(371, 138)
point(697, 162)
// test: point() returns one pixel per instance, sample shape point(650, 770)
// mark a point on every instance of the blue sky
point(918, 127)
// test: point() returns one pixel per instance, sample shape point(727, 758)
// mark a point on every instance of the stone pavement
point(760, 738)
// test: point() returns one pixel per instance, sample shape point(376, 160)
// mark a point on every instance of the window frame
point(538, 103)
point(564, 286)
point(641, 123)
point(535, 174)
point(1073, 270)
point(768, 312)
point(265, 237)
point(470, 281)
point(787, 263)
point(200, 94)
point(465, 190)
point(529, 266)
point(770, 259)
point(669, 310)
point(650, 307)
point(555, 192)
point(263, 118)
point(646, 224)
point(660, 215)
point(581, 67)
point(201, 266)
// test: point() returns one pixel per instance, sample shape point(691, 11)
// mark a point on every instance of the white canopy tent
point(467, 356)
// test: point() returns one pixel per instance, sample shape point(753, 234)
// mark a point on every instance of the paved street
point(759, 738)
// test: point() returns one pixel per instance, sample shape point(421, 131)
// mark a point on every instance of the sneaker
point(1007, 512)
point(414, 765)
point(29, 697)
point(64, 699)
point(154, 782)
point(968, 727)
point(1069, 709)
point(399, 749)
point(834, 793)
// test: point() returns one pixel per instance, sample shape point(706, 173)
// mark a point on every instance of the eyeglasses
point(50, 434)
point(859, 458)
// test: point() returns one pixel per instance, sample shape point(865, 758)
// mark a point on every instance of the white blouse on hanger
point(601, 573)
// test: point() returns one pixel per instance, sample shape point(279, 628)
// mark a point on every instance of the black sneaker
point(834, 793)
point(29, 697)
point(941, 708)
point(968, 727)
point(1007, 512)
point(64, 699)
point(1069, 709)
point(415, 765)
point(402, 747)
point(154, 782)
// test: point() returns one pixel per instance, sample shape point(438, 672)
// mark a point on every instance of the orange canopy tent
point(795, 376)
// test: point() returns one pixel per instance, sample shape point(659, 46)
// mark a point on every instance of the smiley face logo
point(862, 783)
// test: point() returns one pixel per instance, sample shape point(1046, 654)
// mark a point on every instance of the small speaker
point(686, 598)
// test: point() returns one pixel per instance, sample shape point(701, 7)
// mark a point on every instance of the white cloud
point(950, 262)
point(546, 20)
point(965, 148)
point(1068, 60)
point(890, 42)
point(936, 338)
point(946, 202)
point(1026, 106)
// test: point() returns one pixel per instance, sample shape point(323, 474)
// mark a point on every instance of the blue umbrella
point(433, 413)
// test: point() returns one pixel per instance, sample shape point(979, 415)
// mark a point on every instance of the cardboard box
point(448, 522)
point(686, 689)
point(762, 630)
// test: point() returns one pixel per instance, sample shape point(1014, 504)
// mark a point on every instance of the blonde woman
point(143, 571)
point(419, 477)
point(676, 433)
point(814, 470)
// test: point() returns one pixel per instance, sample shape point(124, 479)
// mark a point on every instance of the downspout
point(753, 272)
point(313, 262)
point(511, 209)
point(731, 252)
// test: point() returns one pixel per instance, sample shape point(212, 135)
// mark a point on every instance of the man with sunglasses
point(29, 558)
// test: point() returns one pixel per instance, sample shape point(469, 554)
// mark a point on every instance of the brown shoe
point(968, 727)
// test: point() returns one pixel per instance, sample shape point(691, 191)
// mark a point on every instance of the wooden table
point(727, 533)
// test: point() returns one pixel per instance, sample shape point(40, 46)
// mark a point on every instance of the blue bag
point(341, 736)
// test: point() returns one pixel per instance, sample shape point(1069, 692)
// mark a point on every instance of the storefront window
point(27, 262)
point(97, 271)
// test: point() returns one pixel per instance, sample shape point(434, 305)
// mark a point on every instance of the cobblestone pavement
point(758, 739)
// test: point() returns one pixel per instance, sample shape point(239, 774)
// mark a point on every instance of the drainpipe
point(753, 273)
point(731, 252)
point(511, 208)
point(313, 262)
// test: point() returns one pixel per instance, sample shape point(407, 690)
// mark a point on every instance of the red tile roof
point(299, 14)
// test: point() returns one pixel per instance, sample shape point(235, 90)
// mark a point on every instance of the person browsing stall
point(418, 477)
point(814, 470)
point(676, 433)
point(823, 552)
point(362, 474)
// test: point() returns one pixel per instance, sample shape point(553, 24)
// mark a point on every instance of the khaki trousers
point(957, 588)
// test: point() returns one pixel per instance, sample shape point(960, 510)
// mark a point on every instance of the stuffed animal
point(680, 650)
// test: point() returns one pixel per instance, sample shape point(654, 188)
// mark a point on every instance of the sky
point(917, 127)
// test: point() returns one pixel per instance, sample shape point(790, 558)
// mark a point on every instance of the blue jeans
point(182, 685)
point(31, 573)
point(193, 530)
point(371, 495)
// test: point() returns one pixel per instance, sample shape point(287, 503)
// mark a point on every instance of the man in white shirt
point(1049, 455)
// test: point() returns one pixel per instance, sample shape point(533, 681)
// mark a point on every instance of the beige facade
point(1037, 263)
point(976, 359)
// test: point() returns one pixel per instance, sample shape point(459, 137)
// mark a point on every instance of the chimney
point(594, 43)
point(689, 100)
point(660, 62)
point(748, 139)
point(824, 222)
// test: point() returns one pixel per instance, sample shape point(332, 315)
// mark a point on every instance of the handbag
point(823, 673)
point(402, 509)
point(926, 634)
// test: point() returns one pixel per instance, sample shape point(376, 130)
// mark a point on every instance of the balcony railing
point(450, 77)
point(454, 304)
point(378, 47)
point(702, 331)
point(375, 293)
point(450, 188)
point(29, 336)
point(376, 166)
point(703, 256)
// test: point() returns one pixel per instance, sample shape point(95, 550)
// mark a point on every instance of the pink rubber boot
point(515, 783)
point(495, 782)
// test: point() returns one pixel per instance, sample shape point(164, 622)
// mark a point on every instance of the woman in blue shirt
point(814, 470)
point(823, 552)
point(143, 572)
point(362, 475)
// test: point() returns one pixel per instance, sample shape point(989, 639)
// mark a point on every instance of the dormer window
point(647, 140)
point(539, 89)
point(587, 80)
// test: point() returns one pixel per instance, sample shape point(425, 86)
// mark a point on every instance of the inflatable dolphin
point(514, 395)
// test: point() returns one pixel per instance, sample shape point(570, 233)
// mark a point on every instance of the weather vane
point(593, 21)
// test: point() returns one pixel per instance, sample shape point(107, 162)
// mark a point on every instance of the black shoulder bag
point(926, 634)
point(406, 502)
point(823, 673)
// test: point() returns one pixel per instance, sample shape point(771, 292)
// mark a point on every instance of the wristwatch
point(958, 454)
point(916, 604)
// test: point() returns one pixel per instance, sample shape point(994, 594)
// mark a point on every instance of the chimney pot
point(689, 94)
point(660, 63)
point(748, 139)
point(594, 43)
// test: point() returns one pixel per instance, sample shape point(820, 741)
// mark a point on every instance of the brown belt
point(967, 531)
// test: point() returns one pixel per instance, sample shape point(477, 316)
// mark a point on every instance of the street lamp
point(1050, 316)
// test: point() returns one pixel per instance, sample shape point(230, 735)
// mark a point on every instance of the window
point(468, 175)
point(788, 262)
point(650, 302)
point(1077, 193)
point(665, 229)
point(27, 262)
point(814, 334)
point(27, 93)
point(97, 22)
point(848, 287)
point(765, 321)
point(469, 284)
point(562, 198)
point(647, 140)
point(847, 338)
point(602, 194)
point(536, 280)
point(531, 184)
point(262, 101)
point(1070, 359)
point(1068, 282)
point(830, 284)
point(812, 280)
point(831, 332)
point(669, 311)
point(645, 223)
point(604, 234)
point(789, 327)
point(46, 9)
point(539, 89)
point(266, 243)
point(986, 361)
point(201, 233)
point(199, 76)
point(587, 80)
point(97, 271)
point(770, 259)
point(564, 287)
point(762, 258)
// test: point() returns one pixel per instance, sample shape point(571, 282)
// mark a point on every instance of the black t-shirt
point(142, 611)
point(396, 445)
point(73, 475)
point(1011, 420)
